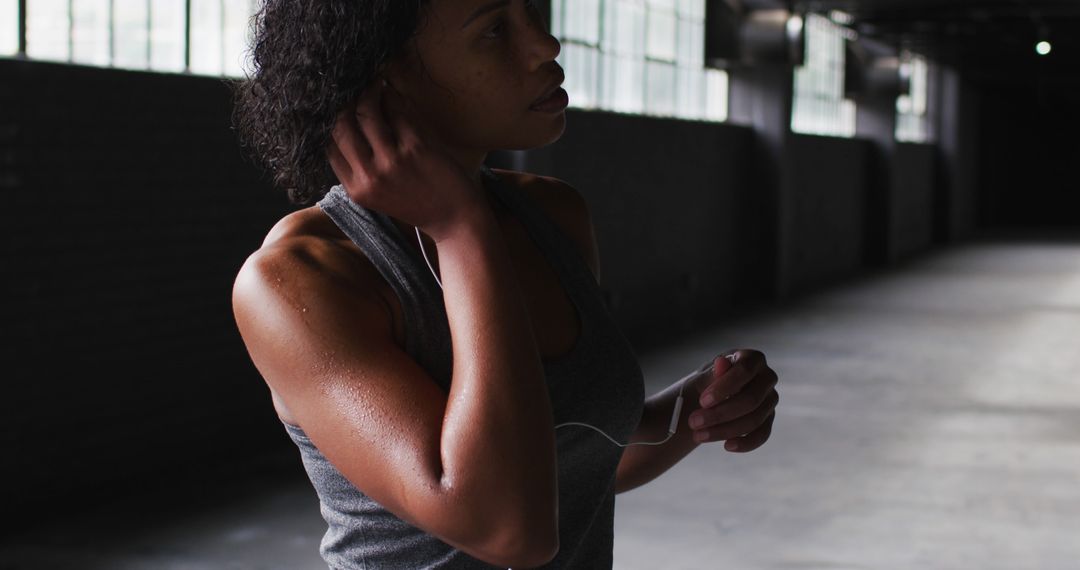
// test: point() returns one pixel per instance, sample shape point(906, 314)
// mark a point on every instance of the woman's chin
point(546, 132)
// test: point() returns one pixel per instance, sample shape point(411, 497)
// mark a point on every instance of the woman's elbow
point(527, 548)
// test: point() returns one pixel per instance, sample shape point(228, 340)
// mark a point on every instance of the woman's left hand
point(738, 401)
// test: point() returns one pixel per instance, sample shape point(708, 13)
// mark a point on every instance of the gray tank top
point(598, 382)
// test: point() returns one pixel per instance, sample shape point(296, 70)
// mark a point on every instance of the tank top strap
point(427, 327)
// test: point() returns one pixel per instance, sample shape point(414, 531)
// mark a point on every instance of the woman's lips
point(557, 101)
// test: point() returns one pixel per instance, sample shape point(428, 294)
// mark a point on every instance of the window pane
point(9, 27)
point(716, 95)
point(557, 28)
point(660, 88)
point(912, 107)
point(919, 73)
point(131, 20)
point(624, 83)
point(582, 20)
point(638, 56)
point(90, 32)
point(624, 28)
point(692, 9)
point(660, 42)
point(167, 35)
point(207, 51)
point(581, 65)
point(819, 106)
point(691, 93)
point(47, 29)
point(237, 39)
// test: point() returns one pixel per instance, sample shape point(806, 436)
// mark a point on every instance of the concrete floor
point(929, 418)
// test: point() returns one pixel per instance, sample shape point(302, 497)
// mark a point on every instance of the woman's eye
point(495, 30)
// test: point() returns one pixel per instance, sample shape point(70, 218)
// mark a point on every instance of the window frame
point(228, 14)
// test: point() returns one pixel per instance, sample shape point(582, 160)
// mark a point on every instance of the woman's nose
point(544, 47)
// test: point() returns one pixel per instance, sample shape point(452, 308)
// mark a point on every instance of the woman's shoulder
point(303, 224)
point(564, 205)
point(309, 239)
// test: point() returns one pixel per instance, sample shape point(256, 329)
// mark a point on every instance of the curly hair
point(310, 59)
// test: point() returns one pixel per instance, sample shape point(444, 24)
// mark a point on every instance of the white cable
point(425, 256)
point(672, 425)
point(678, 401)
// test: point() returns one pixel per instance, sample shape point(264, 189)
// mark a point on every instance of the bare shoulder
point(308, 236)
point(305, 258)
point(565, 206)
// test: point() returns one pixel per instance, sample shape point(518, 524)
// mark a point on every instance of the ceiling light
point(1042, 48)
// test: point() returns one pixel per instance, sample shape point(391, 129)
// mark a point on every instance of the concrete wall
point(827, 198)
point(911, 201)
point(1030, 152)
point(673, 209)
point(127, 211)
point(957, 192)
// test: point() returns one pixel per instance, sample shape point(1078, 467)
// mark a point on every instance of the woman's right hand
point(387, 160)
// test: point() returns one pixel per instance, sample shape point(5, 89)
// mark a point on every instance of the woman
point(426, 325)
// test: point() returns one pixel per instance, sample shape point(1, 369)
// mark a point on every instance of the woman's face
point(477, 67)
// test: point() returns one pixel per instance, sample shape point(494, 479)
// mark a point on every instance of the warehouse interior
point(897, 231)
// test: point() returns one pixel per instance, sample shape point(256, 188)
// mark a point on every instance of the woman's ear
point(391, 71)
point(385, 76)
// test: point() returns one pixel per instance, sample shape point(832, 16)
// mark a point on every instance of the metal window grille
point(819, 106)
point(639, 57)
point(206, 37)
point(912, 108)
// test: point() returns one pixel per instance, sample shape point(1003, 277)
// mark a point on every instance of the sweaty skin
point(325, 330)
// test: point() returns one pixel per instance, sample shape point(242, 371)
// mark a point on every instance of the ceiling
point(982, 38)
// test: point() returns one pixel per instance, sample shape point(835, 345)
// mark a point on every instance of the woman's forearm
point(643, 463)
point(497, 444)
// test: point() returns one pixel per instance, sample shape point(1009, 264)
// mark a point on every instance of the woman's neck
point(469, 160)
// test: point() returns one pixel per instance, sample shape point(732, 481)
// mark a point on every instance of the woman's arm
point(477, 467)
point(744, 394)
point(643, 463)
point(731, 398)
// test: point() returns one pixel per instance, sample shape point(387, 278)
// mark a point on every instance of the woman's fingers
point(403, 118)
point(372, 124)
point(752, 440)
point(741, 404)
point(737, 427)
point(372, 130)
point(349, 142)
point(747, 365)
point(338, 163)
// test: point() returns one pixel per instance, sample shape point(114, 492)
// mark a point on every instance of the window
point(208, 52)
point(131, 40)
point(236, 37)
point(167, 34)
point(48, 30)
point(134, 34)
point(639, 56)
point(9, 27)
point(819, 106)
point(911, 108)
point(90, 40)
